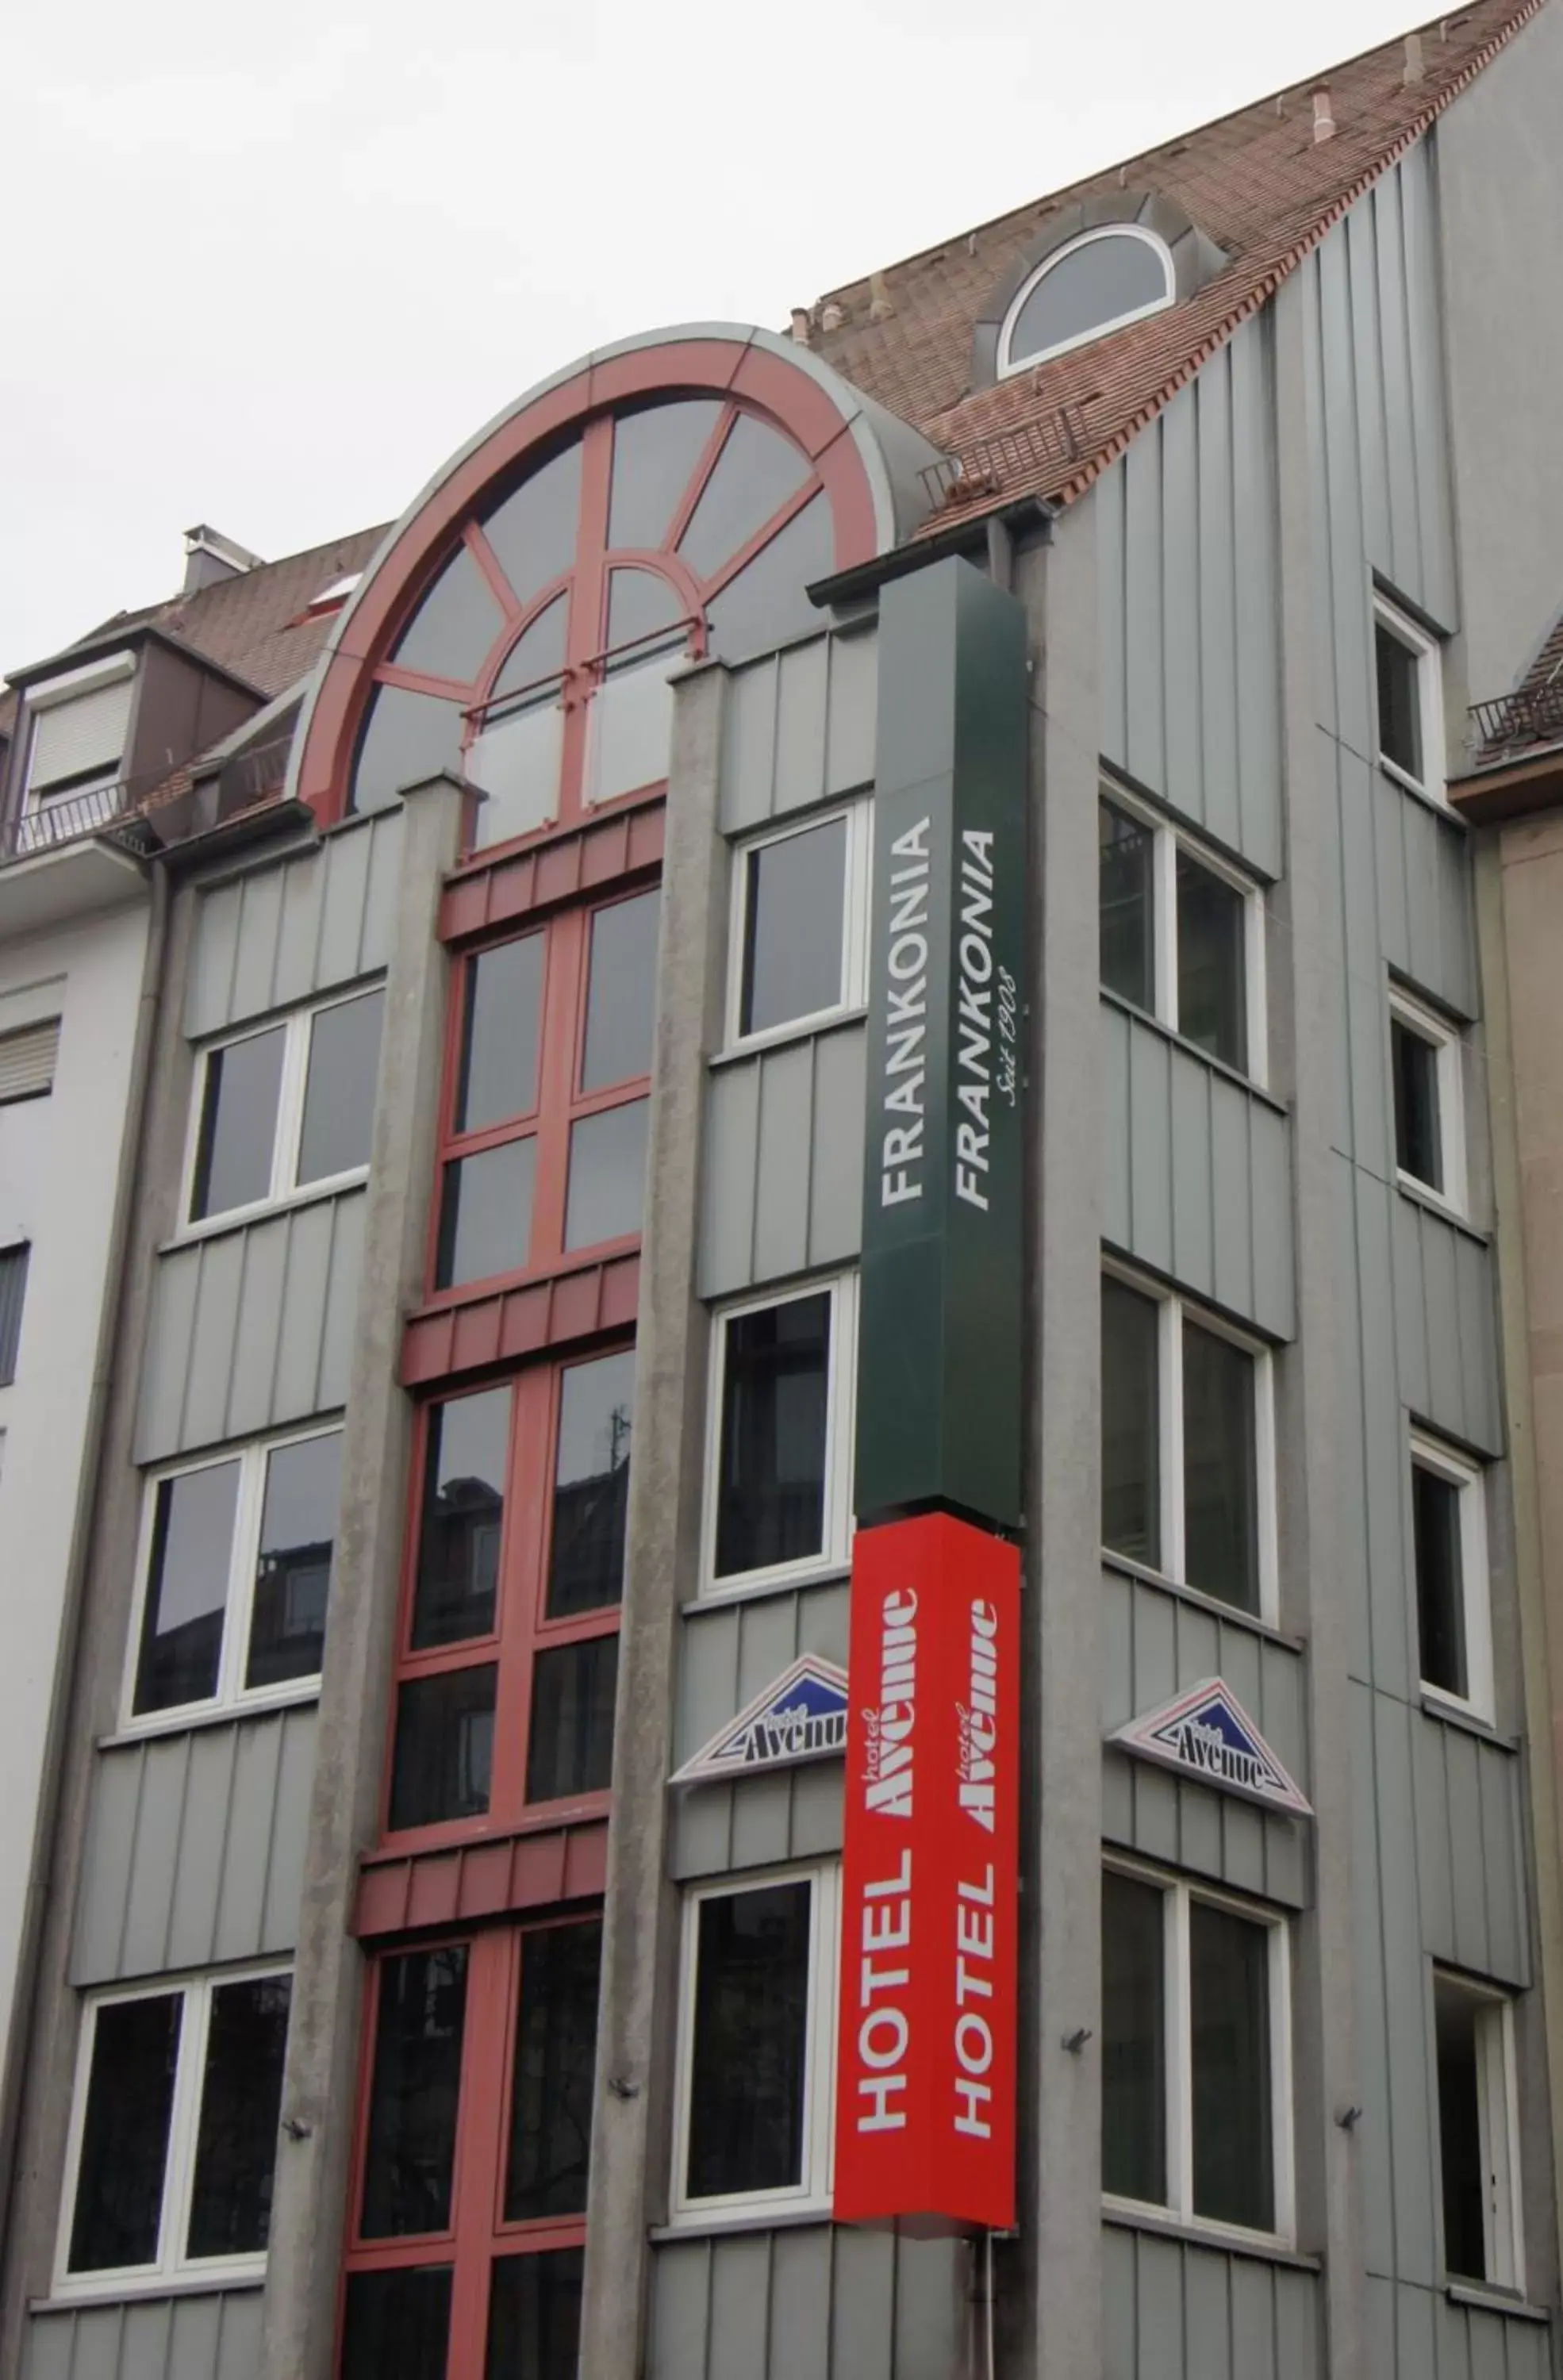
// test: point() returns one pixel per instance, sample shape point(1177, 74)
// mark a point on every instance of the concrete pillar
point(320, 2083)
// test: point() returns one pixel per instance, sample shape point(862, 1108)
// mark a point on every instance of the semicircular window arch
point(1094, 284)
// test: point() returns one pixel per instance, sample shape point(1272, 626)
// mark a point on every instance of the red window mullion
point(556, 1082)
point(480, 2136)
point(520, 1589)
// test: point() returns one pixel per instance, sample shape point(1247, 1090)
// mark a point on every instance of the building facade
point(451, 1951)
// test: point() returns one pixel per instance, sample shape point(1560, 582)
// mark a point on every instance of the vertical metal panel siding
point(195, 1846)
point(1469, 1851)
point(215, 2337)
point(813, 2303)
point(798, 727)
point(784, 1172)
point(278, 934)
point(1196, 1175)
point(1173, 2310)
point(1190, 659)
point(251, 1328)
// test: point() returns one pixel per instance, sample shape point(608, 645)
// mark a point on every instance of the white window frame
point(1178, 1893)
point(1497, 2090)
point(1171, 1307)
point(1427, 654)
point(238, 1605)
point(283, 1188)
point(178, 2164)
point(812, 2192)
point(1434, 1455)
point(92, 678)
point(835, 1552)
point(859, 817)
point(1169, 841)
point(1445, 1041)
point(1007, 365)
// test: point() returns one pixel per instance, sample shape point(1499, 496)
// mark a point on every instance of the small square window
point(1478, 2134)
point(798, 930)
point(779, 1490)
point(1425, 1055)
point(288, 1108)
point(1449, 1568)
point(1182, 935)
point(1409, 700)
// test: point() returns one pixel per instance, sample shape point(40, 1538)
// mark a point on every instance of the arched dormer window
point(1106, 277)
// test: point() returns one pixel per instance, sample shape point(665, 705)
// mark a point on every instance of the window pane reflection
point(293, 1566)
point(186, 1587)
point(1212, 995)
point(570, 1749)
point(751, 2041)
point(770, 1494)
point(240, 2097)
point(410, 2153)
point(238, 1124)
point(534, 2316)
point(397, 2321)
point(793, 927)
point(533, 531)
point(607, 1175)
point(454, 626)
point(755, 472)
point(621, 993)
point(499, 1053)
point(655, 453)
point(462, 1519)
point(1230, 2025)
point(445, 1753)
point(591, 1485)
point(1130, 1454)
point(1134, 2052)
point(407, 738)
point(551, 2093)
point(1220, 1472)
point(124, 2136)
point(339, 1092)
point(1128, 914)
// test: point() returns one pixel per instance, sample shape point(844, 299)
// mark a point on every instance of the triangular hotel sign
point(801, 1716)
point(1207, 1734)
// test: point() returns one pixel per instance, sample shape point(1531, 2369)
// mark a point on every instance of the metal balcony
point(1532, 715)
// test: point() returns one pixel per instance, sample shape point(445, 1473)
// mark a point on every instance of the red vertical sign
point(926, 2071)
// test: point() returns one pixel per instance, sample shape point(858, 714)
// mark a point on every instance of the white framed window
point(1478, 2134)
point(1454, 1632)
point(798, 948)
point(1424, 1057)
point(174, 2131)
point(78, 726)
point(1196, 2054)
point(233, 1580)
point(1182, 934)
point(283, 1108)
point(755, 2085)
point(1096, 282)
point(778, 1435)
point(1409, 700)
point(13, 1294)
point(1188, 1444)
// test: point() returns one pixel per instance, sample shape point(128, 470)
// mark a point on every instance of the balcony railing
point(44, 824)
point(1533, 715)
point(120, 808)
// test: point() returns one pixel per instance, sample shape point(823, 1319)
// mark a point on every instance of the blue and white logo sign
point(1207, 1733)
point(802, 1716)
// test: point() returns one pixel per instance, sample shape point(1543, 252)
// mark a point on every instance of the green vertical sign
point(939, 1359)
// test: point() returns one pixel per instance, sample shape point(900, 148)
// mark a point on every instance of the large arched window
point(1096, 283)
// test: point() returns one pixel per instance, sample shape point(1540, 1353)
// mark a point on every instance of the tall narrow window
point(13, 1290)
point(1478, 2143)
point(778, 1480)
point(1409, 700)
point(1130, 1429)
point(1450, 1567)
point(411, 2157)
point(1128, 904)
point(1424, 1056)
point(1181, 934)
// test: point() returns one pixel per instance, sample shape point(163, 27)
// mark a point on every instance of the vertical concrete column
point(1060, 2326)
point(640, 1930)
point(319, 2083)
point(1307, 1026)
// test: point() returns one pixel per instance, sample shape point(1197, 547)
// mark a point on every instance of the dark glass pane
point(1440, 1580)
point(755, 472)
point(406, 738)
point(1461, 2157)
point(1418, 1141)
point(499, 1050)
point(570, 1749)
point(462, 1515)
point(537, 654)
point(1089, 290)
point(607, 1175)
point(238, 1124)
point(621, 993)
point(1128, 907)
point(769, 600)
point(533, 531)
point(454, 627)
point(770, 1494)
point(186, 1587)
point(444, 1755)
point(534, 2316)
point(125, 2135)
point(293, 1568)
point(1134, 2041)
point(795, 899)
point(13, 1297)
point(236, 2136)
point(1399, 711)
point(585, 1567)
point(1131, 1425)
point(1212, 993)
point(551, 2095)
point(1234, 2178)
point(486, 1213)
point(339, 1093)
point(410, 2153)
point(398, 2322)
point(654, 457)
point(751, 2041)
point(1220, 1471)
point(640, 603)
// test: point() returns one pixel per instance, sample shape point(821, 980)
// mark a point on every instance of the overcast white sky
point(268, 265)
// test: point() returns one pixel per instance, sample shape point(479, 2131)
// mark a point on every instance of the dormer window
point(77, 728)
point(1096, 283)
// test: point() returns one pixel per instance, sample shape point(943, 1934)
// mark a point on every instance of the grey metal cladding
point(798, 728)
point(1457, 2342)
point(1154, 1645)
point(251, 1328)
point(810, 2303)
point(279, 934)
point(1171, 2310)
point(1469, 1850)
point(1196, 1175)
point(783, 1188)
point(195, 1847)
point(1190, 625)
point(213, 2337)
